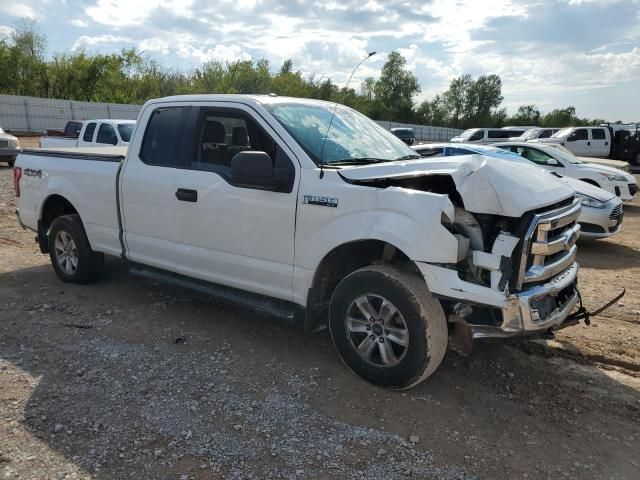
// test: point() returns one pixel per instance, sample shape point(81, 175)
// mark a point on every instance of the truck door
point(233, 234)
point(578, 142)
point(148, 187)
point(600, 142)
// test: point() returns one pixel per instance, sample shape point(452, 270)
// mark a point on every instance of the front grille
point(633, 188)
point(4, 143)
point(616, 212)
point(549, 244)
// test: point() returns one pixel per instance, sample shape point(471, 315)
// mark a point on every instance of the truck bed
point(85, 177)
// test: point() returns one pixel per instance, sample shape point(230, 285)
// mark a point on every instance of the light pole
point(335, 106)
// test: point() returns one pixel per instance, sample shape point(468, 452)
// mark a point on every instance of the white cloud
point(155, 44)
point(76, 22)
point(122, 13)
point(88, 41)
point(18, 10)
point(6, 32)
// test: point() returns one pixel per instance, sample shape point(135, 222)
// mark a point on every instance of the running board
point(260, 303)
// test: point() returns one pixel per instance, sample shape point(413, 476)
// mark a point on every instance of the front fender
point(407, 219)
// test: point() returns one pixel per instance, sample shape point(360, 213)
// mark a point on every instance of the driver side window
point(222, 133)
point(106, 135)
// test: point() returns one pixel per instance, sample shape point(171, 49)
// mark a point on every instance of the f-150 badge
point(322, 201)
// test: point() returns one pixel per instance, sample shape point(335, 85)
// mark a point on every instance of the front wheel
point(71, 255)
point(387, 327)
point(11, 161)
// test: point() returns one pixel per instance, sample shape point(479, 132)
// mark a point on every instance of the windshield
point(563, 133)
point(352, 136)
point(468, 133)
point(529, 134)
point(125, 130)
point(564, 154)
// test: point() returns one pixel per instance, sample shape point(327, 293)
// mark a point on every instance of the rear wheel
point(387, 327)
point(71, 255)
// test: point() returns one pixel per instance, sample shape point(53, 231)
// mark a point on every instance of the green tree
point(560, 117)
point(526, 115)
point(396, 88)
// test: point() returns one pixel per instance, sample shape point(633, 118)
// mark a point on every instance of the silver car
point(9, 148)
point(601, 214)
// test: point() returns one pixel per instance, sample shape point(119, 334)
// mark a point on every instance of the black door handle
point(588, 143)
point(187, 195)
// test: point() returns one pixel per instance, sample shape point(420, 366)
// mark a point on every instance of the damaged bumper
point(532, 311)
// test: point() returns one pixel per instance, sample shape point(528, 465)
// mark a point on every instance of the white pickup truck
point(95, 133)
point(295, 208)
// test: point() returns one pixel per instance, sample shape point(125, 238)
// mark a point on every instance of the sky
point(552, 53)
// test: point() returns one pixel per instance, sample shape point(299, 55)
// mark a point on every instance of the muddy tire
point(71, 255)
point(387, 327)
point(11, 161)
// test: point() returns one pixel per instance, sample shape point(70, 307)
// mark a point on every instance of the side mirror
point(553, 162)
point(571, 138)
point(255, 170)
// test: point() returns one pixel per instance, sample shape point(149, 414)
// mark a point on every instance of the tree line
point(130, 77)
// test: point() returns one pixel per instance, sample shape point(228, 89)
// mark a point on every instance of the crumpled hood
point(587, 189)
point(486, 185)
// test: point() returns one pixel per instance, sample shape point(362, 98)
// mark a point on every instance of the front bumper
point(601, 222)
point(529, 312)
point(537, 309)
point(9, 152)
point(625, 191)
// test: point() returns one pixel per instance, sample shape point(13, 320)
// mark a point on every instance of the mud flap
point(583, 314)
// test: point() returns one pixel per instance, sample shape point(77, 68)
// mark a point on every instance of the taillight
point(17, 175)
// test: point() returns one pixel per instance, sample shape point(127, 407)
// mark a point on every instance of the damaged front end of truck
point(515, 272)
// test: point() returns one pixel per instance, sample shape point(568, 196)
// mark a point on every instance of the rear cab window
point(161, 144)
point(598, 134)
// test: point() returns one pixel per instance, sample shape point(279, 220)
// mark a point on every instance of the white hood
point(606, 170)
point(486, 185)
point(584, 188)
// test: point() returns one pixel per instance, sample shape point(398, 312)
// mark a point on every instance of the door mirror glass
point(254, 169)
point(553, 162)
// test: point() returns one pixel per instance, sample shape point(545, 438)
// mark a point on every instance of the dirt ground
point(130, 379)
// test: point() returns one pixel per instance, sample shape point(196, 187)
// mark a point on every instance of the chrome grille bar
point(549, 234)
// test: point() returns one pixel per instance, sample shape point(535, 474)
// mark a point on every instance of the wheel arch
point(344, 259)
point(54, 206)
point(590, 182)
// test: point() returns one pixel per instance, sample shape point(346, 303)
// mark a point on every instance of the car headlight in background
point(590, 201)
point(616, 178)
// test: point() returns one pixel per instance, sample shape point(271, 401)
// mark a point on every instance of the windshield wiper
point(356, 161)
point(411, 156)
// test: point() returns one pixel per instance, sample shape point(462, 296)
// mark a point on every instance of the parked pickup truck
point(602, 141)
point(295, 208)
point(94, 133)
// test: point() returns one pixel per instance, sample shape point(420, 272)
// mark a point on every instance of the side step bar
point(260, 303)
